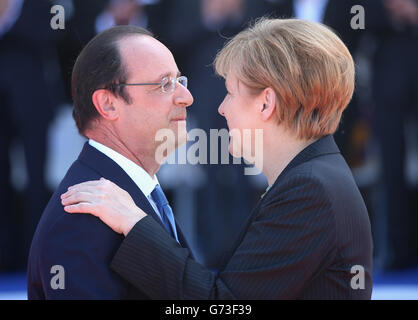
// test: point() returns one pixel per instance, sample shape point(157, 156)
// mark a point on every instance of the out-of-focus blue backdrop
point(378, 134)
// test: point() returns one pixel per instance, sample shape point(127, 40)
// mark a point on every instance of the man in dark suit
point(126, 87)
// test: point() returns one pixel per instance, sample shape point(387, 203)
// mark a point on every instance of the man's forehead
point(139, 41)
point(146, 53)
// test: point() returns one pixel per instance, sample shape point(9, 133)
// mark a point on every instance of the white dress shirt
point(141, 178)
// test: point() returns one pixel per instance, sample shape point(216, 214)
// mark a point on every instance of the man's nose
point(183, 98)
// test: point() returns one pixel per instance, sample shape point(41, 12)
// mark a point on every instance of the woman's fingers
point(92, 183)
point(83, 189)
point(93, 187)
point(79, 197)
point(82, 207)
point(105, 200)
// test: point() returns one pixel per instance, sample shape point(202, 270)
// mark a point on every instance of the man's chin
point(182, 136)
point(170, 139)
point(234, 149)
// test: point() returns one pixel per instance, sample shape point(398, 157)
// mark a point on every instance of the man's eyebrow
point(167, 74)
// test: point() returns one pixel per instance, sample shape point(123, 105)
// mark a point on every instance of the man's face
point(146, 60)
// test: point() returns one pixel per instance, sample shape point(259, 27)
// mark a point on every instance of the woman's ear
point(103, 100)
point(268, 107)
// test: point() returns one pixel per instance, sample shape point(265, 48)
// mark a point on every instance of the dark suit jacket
point(81, 243)
point(300, 242)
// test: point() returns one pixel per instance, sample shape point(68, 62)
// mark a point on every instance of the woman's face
point(239, 108)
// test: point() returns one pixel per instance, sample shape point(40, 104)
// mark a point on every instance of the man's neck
point(144, 158)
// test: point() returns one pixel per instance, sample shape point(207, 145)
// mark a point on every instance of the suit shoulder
point(300, 182)
point(77, 173)
point(70, 230)
point(325, 182)
point(325, 174)
point(322, 182)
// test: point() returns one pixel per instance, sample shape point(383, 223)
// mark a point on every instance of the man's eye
point(165, 84)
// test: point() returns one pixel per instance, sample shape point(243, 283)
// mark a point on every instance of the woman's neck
point(279, 151)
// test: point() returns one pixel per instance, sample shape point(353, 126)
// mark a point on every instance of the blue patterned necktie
point(164, 208)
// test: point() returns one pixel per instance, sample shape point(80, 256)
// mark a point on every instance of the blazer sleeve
point(290, 240)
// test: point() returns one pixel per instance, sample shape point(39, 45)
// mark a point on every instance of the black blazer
point(300, 242)
point(81, 243)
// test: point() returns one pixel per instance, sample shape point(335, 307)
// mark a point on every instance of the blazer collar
point(110, 170)
point(324, 145)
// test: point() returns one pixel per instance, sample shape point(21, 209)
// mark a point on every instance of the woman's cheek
point(235, 142)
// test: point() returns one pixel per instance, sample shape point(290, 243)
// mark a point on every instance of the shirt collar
point(141, 178)
point(267, 190)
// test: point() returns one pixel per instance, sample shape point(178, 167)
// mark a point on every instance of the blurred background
point(378, 134)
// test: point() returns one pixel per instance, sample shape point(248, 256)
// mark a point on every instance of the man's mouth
point(183, 118)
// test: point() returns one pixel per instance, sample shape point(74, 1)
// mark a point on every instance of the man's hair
point(305, 63)
point(99, 66)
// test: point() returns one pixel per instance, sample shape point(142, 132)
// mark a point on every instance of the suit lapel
point(324, 145)
point(182, 239)
point(110, 170)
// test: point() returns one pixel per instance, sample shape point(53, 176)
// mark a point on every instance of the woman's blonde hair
point(305, 63)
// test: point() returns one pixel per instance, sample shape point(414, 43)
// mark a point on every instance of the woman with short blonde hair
point(305, 63)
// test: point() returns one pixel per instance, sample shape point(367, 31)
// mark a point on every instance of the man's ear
point(103, 100)
point(268, 107)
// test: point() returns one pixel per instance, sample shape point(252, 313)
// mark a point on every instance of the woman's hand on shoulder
point(105, 200)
